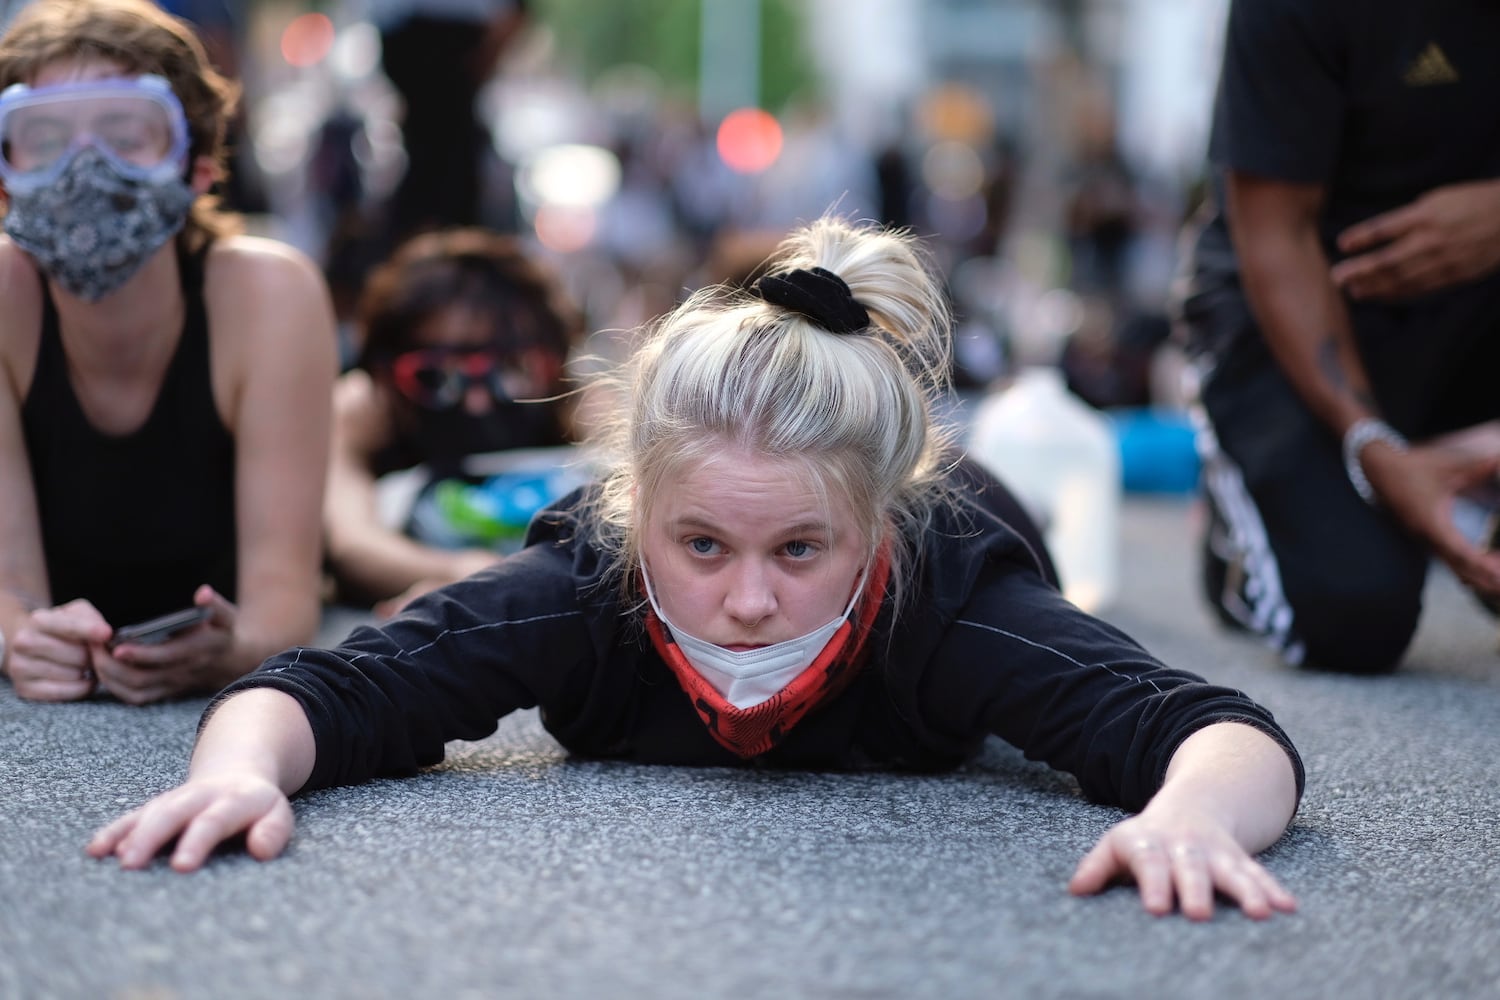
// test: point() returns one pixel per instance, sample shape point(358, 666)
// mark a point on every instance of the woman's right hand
point(200, 815)
point(50, 656)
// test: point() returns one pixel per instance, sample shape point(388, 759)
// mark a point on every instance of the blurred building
point(1156, 59)
point(1086, 120)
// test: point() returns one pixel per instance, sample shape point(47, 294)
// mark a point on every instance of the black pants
point(1293, 553)
point(431, 62)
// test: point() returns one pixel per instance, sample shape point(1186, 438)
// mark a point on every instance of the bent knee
point(1354, 631)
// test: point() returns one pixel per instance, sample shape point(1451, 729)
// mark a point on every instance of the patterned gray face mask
point(94, 226)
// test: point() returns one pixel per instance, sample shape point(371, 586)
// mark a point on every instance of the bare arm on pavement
point(1229, 793)
point(255, 750)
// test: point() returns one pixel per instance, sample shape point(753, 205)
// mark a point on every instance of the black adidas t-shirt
point(1378, 100)
point(1381, 100)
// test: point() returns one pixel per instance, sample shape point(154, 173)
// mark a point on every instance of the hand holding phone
point(155, 631)
point(170, 656)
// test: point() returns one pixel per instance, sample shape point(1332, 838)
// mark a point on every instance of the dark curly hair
point(471, 268)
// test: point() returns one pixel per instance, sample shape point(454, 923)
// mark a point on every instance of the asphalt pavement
point(513, 871)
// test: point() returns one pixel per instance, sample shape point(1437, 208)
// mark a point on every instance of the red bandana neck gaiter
point(749, 732)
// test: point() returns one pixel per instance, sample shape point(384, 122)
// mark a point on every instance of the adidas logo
point(1430, 68)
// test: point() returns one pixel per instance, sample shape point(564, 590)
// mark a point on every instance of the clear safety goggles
point(135, 121)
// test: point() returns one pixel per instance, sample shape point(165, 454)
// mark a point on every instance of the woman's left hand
point(191, 663)
point(1183, 857)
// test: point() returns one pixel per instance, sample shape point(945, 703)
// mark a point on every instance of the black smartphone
point(153, 631)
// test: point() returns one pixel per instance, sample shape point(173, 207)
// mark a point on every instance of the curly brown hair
point(468, 267)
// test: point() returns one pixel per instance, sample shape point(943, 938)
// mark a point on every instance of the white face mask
point(747, 678)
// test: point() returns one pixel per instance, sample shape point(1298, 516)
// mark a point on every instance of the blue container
point(1158, 451)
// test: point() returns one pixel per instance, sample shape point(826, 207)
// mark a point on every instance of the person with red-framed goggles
point(440, 378)
point(136, 123)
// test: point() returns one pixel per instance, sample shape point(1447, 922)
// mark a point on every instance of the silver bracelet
point(1364, 431)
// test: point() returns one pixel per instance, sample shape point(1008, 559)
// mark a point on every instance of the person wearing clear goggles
point(164, 380)
point(94, 171)
point(136, 121)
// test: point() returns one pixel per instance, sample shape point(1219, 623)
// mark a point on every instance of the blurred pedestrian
point(164, 381)
point(1343, 303)
point(438, 54)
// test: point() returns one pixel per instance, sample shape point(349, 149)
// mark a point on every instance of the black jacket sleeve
point(1022, 663)
point(387, 699)
point(1003, 653)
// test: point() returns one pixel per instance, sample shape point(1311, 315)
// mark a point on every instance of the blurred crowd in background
point(1047, 151)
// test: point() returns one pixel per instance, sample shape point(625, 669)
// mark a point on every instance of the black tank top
point(134, 522)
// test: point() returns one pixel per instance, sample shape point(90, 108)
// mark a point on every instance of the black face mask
point(444, 438)
point(435, 385)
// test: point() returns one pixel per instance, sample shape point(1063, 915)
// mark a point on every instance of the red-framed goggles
point(135, 121)
point(439, 378)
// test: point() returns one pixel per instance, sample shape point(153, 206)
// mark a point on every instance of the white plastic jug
point(1060, 458)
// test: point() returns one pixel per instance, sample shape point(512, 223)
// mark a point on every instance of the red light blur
point(749, 140)
point(563, 229)
point(307, 40)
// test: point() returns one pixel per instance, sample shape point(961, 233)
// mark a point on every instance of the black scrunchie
point(818, 294)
